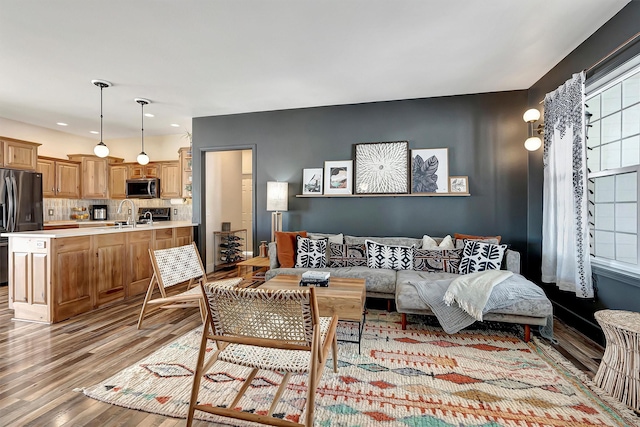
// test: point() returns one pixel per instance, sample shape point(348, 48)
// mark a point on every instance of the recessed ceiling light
point(148, 115)
point(175, 125)
point(95, 132)
point(62, 124)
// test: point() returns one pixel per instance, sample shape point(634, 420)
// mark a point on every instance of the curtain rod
point(613, 52)
point(609, 55)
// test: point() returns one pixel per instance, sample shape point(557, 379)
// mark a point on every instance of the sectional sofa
point(398, 285)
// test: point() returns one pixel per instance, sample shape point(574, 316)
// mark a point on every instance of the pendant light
point(142, 158)
point(101, 150)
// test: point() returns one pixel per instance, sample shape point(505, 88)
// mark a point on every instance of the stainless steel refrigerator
point(22, 209)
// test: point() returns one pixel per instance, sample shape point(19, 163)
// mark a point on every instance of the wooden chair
point(276, 330)
point(172, 267)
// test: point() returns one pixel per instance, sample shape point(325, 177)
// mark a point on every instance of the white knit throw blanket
point(471, 291)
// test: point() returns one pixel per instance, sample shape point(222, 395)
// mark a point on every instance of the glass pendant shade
point(101, 150)
point(142, 158)
point(533, 143)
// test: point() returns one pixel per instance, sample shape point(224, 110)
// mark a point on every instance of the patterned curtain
point(565, 238)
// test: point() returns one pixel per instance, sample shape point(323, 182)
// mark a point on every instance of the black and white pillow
point(437, 260)
point(311, 253)
point(478, 256)
point(389, 257)
point(347, 255)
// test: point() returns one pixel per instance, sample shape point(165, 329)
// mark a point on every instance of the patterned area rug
point(417, 377)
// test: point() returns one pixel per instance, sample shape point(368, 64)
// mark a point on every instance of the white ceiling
point(196, 58)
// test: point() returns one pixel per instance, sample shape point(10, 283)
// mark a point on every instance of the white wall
point(223, 199)
point(58, 144)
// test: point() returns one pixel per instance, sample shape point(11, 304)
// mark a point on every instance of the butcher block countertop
point(90, 231)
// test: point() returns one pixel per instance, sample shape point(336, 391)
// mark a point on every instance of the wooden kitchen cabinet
point(95, 184)
point(71, 279)
point(110, 267)
point(139, 268)
point(184, 235)
point(170, 187)
point(186, 171)
point(118, 175)
point(18, 154)
point(60, 178)
point(150, 170)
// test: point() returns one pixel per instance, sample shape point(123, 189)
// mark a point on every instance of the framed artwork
point(312, 181)
point(430, 170)
point(459, 184)
point(382, 168)
point(338, 177)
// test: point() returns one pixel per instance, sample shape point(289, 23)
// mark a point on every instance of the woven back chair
point(275, 330)
point(171, 267)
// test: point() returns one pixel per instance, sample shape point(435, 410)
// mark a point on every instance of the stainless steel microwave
point(143, 188)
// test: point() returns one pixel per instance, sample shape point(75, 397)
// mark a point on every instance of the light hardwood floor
point(41, 365)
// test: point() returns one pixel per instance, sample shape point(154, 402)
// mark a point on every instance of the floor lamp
point(277, 201)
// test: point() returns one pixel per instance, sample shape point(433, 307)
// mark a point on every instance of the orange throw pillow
point(286, 245)
point(471, 237)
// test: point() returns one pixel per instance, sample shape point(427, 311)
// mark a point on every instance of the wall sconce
point(533, 142)
point(277, 201)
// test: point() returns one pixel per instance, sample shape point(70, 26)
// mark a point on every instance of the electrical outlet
point(175, 211)
point(129, 213)
point(50, 212)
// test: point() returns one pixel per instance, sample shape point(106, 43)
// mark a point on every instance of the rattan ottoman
point(619, 371)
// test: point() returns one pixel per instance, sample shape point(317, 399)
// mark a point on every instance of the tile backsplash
point(62, 208)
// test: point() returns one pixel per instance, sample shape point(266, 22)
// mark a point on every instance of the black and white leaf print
point(424, 177)
point(480, 256)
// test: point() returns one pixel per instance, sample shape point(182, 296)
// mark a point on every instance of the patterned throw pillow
point(311, 253)
point(347, 255)
point(479, 256)
point(437, 260)
point(390, 257)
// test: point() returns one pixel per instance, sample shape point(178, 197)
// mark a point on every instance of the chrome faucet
point(131, 220)
point(150, 220)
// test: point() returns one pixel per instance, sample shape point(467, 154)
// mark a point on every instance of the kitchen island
point(58, 274)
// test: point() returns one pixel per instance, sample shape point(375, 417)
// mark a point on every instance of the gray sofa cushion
point(377, 281)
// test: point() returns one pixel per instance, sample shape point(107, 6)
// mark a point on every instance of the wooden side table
point(619, 370)
point(261, 262)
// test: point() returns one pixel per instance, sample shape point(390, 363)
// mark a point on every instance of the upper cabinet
point(150, 170)
point(186, 173)
point(17, 154)
point(118, 175)
point(95, 184)
point(170, 180)
point(60, 178)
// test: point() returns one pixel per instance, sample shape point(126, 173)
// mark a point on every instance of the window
point(613, 159)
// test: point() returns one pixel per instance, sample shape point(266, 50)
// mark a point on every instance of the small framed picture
point(430, 170)
point(312, 181)
point(459, 184)
point(338, 177)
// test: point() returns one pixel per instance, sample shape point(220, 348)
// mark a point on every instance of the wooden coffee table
point(343, 297)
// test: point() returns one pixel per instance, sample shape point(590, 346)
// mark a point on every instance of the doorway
point(228, 199)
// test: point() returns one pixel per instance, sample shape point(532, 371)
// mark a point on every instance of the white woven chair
point(276, 330)
point(172, 267)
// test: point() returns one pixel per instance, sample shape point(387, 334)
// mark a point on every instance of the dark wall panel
point(484, 134)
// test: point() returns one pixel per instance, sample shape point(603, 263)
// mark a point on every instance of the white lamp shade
point(531, 115)
point(101, 150)
point(533, 143)
point(277, 196)
point(142, 158)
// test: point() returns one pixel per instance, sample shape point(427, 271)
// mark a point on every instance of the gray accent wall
point(615, 290)
point(484, 134)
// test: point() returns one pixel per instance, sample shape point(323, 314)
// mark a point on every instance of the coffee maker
point(98, 212)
